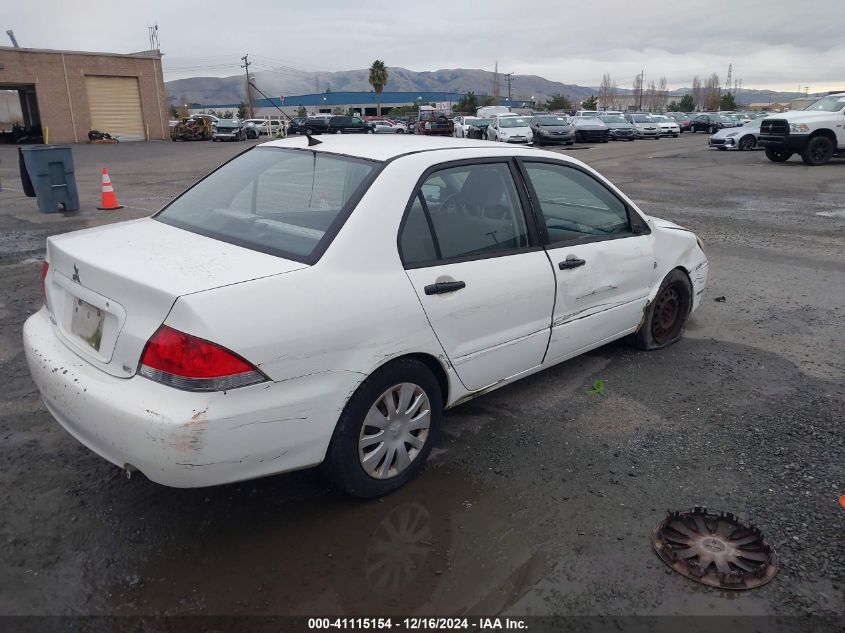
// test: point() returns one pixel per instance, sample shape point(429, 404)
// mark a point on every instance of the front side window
point(474, 210)
point(274, 200)
point(574, 205)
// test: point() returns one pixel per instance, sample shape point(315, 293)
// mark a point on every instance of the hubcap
point(666, 312)
point(394, 431)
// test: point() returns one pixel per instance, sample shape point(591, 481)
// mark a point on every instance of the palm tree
point(378, 77)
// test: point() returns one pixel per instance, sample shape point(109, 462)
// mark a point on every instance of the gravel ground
point(539, 498)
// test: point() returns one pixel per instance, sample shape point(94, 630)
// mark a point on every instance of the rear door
point(476, 264)
point(600, 252)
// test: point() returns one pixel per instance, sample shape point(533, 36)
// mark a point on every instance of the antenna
point(11, 35)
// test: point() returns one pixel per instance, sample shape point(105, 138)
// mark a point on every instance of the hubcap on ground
point(394, 431)
point(667, 310)
point(715, 549)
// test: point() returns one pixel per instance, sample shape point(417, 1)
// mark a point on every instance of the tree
point(606, 92)
point(673, 106)
point(378, 78)
point(174, 111)
point(727, 102)
point(697, 93)
point(228, 114)
point(590, 103)
point(301, 111)
point(488, 101)
point(638, 91)
point(651, 97)
point(242, 110)
point(712, 92)
point(467, 103)
point(686, 104)
point(557, 102)
point(662, 94)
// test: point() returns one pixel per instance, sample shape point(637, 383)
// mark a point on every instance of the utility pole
point(738, 90)
point(495, 94)
point(509, 79)
point(246, 64)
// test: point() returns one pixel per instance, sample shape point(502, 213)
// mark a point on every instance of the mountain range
point(215, 91)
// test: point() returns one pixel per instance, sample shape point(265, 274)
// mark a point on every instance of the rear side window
point(280, 201)
point(474, 210)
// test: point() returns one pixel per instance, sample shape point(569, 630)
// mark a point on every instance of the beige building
point(66, 94)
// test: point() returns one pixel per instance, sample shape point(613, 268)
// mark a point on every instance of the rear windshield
point(286, 202)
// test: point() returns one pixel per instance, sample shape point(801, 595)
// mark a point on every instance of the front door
point(600, 253)
point(477, 267)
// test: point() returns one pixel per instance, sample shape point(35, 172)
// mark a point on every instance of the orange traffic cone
point(109, 201)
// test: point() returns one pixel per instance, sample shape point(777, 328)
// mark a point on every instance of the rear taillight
point(45, 268)
point(186, 362)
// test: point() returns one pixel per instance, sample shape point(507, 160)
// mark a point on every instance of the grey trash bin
point(50, 170)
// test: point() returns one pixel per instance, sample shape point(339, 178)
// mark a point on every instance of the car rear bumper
point(186, 439)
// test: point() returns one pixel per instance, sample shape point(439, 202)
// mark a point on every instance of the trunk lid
point(109, 288)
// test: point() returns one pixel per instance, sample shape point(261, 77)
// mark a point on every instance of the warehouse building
point(62, 95)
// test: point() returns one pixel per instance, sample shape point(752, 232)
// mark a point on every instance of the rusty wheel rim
point(666, 322)
point(715, 549)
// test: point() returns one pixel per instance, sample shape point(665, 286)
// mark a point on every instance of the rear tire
point(778, 155)
point(345, 458)
point(666, 316)
point(818, 151)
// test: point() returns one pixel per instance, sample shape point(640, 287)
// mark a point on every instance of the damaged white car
point(322, 302)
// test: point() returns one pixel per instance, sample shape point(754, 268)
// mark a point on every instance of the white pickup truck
point(817, 132)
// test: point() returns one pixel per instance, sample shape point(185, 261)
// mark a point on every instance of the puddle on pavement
point(442, 545)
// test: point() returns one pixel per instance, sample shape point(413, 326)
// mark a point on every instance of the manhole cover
point(715, 549)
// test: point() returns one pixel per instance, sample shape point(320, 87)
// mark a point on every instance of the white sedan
point(462, 124)
point(666, 125)
point(384, 126)
point(323, 301)
point(510, 129)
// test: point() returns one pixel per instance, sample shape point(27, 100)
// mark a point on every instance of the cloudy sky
point(777, 44)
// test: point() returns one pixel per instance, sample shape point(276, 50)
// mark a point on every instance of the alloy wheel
point(394, 431)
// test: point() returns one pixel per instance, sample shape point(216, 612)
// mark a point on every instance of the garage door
point(115, 106)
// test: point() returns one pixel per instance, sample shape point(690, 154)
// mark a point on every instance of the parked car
point(552, 129)
point(618, 128)
point(434, 123)
point(317, 124)
point(342, 124)
point(297, 125)
point(385, 126)
point(590, 129)
point(509, 129)
point(477, 129)
point(667, 126)
point(229, 130)
point(711, 122)
point(461, 124)
point(742, 138)
point(645, 125)
point(266, 127)
point(251, 129)
point(683, 120)
point(196, 351)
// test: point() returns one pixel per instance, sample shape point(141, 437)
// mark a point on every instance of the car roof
point(386, 147)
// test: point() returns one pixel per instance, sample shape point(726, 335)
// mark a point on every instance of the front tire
point(777, 155)
point(666, 316)
point(818, 151)
point(386, 431)
point(747, 143)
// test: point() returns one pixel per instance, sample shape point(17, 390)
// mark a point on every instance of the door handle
point(443, 287)
point(571, 262)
